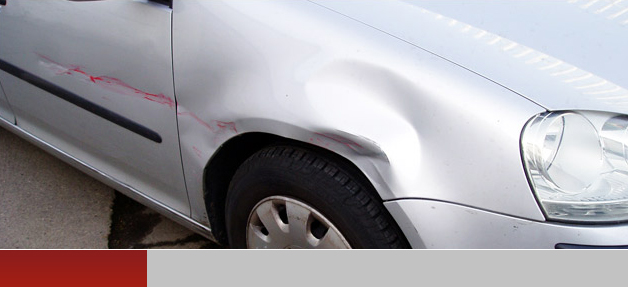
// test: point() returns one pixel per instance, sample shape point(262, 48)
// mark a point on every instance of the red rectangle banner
point(73, 268)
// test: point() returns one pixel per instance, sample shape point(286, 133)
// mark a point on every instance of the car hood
point(562, 55)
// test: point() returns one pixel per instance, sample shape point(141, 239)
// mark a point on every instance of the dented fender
point(404, 122)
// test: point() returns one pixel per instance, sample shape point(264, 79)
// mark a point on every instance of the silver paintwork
point(116, 54)
point(559, 54)
point(441, 225)
point(266, 229)
point(348, 83)
point(5, 109)
point(427, 99)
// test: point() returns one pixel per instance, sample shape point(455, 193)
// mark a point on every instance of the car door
point(94, 79)
point(5, 110)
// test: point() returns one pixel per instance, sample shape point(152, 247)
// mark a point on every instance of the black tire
point(335, 189)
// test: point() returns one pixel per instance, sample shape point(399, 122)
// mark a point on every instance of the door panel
point(94, 79)
point(5, 110)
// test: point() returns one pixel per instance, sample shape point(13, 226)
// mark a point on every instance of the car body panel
point(117, 56)
point(563, 55)
point(5, 109)
point(336, 87)
point(442, 225)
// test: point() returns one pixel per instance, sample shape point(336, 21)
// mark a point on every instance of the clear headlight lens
point(577, 163)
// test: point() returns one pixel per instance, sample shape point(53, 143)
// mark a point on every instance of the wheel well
point(226, 161)
point(221, 168)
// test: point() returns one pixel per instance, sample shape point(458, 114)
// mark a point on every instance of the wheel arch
point(234, 152)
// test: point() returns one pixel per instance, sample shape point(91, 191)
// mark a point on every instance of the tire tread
point(363, 202)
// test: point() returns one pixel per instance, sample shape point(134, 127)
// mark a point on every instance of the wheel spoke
point(270, 218)
point(257, 239)
point(298, 219)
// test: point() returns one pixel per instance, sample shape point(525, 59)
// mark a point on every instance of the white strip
point(622, 12)
point(582, 78)
point(495, 41)
point(558, 63)
point(511, 46)
point(585, 6)
point(537, 59)
point(480, 34)
point(573, 69)
point(609, 6)
point(524, 53)
point(602, 83)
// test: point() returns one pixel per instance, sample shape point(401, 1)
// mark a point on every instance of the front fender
point(417, 125)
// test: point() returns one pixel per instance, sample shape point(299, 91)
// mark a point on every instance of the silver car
point(337, 124)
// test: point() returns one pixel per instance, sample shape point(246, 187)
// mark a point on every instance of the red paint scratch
point(320, 142)
point(226, 126)
point(197, 119)
point(198, 152)
point(339, 139)
point(213, 126)
point(108, 83)
point(120, 87)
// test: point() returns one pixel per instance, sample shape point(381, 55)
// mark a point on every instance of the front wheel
point(289, 197)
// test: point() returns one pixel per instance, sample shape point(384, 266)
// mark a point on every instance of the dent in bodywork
point(403, 121)
point(365, 147)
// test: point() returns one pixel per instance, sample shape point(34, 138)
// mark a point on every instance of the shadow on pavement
point(136, 226)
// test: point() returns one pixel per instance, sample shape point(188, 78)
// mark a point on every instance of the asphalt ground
point(47, 204)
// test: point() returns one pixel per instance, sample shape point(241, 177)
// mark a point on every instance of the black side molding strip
point(81, 102)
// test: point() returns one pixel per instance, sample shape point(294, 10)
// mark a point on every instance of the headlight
point(577, 163)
